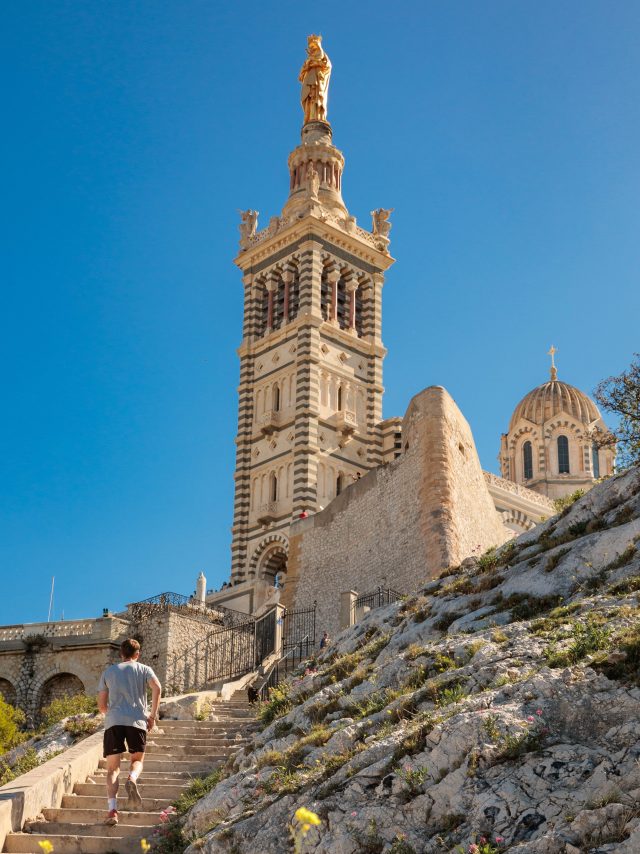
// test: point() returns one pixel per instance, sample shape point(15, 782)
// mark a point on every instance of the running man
point(122, 695)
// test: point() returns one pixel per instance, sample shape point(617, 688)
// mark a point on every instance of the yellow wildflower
point(145, 845)
point(46, 846)
point(305, 816)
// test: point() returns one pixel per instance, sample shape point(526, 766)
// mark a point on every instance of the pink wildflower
point(353, 814)
point(530, 718)
point(538, 711)
point(499, 838)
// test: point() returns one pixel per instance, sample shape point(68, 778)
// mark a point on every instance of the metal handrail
point(166, 601)
point(268, 682)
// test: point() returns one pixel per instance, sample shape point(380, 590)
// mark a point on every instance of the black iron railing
point(299, 631)
point(282, 667)
point(226, 653)
point(375, 599)
point(186, 605)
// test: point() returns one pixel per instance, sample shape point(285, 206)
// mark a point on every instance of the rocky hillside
point(497, 709)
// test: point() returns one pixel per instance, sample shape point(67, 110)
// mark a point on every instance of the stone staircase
point(177, 751)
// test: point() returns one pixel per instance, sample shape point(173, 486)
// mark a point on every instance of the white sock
point(113, 803)
point(133, 776)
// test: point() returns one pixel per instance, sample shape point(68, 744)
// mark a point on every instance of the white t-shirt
point(127, 685)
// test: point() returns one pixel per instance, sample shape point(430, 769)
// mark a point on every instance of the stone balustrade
point(100, 628)
point(517, 489)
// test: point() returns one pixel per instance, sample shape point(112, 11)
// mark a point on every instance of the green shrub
point(278, 704)
point(11, 720)
point(587, 637)
point(564, 503)
point(26, 763)
point(66, 707)
point(199, 787)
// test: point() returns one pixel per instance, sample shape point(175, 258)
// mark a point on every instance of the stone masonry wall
point(400, 524)
point(167, 634)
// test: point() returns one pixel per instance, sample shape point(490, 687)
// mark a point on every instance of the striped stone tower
point(310, 396)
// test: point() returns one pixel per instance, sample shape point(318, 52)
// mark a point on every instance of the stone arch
point(517, 521)
point(60, 685)
point(8, 691)
point(269, 557)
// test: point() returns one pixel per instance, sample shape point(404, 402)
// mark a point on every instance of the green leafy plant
point(11, 722)
point(278, 704)
point(66, 707)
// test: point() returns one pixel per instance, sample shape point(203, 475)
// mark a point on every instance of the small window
point(339, 398)
point(276, 397)
point(274, 488)
point(563, 455)
point(527, 460)
point(596, 460)
point(339, 484)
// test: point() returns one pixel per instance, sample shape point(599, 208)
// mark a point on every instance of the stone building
point(310, 397)
point(552, 444)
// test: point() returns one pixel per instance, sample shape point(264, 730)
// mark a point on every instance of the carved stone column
point(288, 277)
point(333, 277)
point(352, 288)
point(272, 287)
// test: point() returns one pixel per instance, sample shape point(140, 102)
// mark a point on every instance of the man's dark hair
point(129, 647)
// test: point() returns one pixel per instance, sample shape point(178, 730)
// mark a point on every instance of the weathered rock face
point(502, 701)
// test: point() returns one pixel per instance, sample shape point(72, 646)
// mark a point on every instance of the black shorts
point(115, 737)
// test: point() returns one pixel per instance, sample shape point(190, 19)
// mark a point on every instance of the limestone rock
point(501, 701)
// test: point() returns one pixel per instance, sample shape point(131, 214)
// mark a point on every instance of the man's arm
point(156, 691)
point(103, 700)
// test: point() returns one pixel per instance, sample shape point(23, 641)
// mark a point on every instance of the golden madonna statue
point(314, 76)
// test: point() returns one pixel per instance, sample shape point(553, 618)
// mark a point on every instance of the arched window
point(596, 460)
point(527, 460)
point(276, 397)
point(563, 455)
point(273, 488)
point(338, 484)
point(339, 398)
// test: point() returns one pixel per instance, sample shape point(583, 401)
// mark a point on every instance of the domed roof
point(554, 397)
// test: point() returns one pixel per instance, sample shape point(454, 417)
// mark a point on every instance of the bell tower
point(310, 394)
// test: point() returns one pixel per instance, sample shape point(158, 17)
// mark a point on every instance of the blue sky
point(504, 134)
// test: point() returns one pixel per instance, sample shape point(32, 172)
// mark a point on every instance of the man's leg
point(131, 785)
point(113, 773)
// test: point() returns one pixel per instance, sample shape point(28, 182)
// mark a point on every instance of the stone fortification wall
point(402, 523)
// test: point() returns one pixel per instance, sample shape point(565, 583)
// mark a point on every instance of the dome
point(550, 399)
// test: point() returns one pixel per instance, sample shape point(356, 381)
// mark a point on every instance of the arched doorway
point(59, 686)
point(7, 692)
point(273, 566)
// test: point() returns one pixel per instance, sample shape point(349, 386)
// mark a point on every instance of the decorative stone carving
point(313, 182)
point(248, 226)
point(381, 224)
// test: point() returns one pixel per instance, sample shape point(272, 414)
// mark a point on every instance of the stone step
point(27, 843)
point(145, 781)
point(97, 815)
point(152, 803)
point(191, 752)
point(197, 744)
point(206, 763)
point(94, 828)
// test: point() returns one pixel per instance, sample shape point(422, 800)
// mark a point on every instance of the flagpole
point(53, 578)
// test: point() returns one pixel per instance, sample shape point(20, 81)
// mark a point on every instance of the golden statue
point(314, 76)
